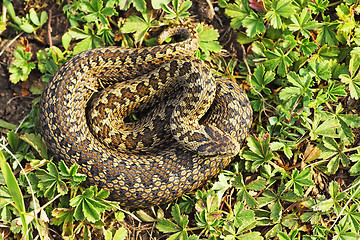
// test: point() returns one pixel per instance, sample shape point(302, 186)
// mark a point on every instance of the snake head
point(206, 141)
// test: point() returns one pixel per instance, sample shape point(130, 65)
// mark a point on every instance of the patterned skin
point(202, 118)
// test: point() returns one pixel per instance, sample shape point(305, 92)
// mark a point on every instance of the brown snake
point(190, 126)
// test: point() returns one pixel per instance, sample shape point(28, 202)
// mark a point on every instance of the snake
point(147, 124)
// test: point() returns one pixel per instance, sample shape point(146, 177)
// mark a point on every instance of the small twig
point(11, 42)
point(17, 97)
point(211, 7)
point(49, 26)
point(227, 31)
point(72, 11)
point(344, 208)
point(4, 13)
point(21, 123)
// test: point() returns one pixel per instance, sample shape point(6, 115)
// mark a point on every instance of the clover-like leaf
point(64, 217)
point(260, 152)
point(261, 78)
point(278, 59)
point(327, 35)
point(303, 23)
point(254, 25)
point(178, 228)
point(90, 204)
point(71, 173)
point(89, 39)
point(300, 180)
point(279, 9)
point(238, 12)
point(138, 25)
point(307, 47)
point(50, 181)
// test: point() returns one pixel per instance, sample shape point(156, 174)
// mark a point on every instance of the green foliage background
point(297, 176)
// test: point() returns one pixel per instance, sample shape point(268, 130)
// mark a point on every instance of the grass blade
point(14, 190)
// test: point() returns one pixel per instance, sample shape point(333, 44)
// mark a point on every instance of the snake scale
point(190, 124)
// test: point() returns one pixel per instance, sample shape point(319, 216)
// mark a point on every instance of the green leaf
point(120, 234)
point(34, 17)
point(108, 11)
point(342, 232)
point(283, 236)
point(89, 205)
point(65, 40)
point(303, 23)
point(156, 4)
point(138, 25)
point(14, 190)
point(36, 142)
point(319, 6)
point(277, 59)
point(209, 40)
point(178, 11)
point(326, 128)
point(237, 12)
point(21, 67)
point(64, 216)
point(119, 216)
point(354, 61)
point(327, 35)
point(276, 211)
point(7, 125)
point(13, 140)
point(354, 85)
point(321, 70)
point(71, 173)
point(254, 25)
point(250, 235)
point(242, 190)
point(300, 180)
point(184, 7)
point(242, 38)
point(279, 9)
point(334, 91)
point(11, 11)
point(307, 47)
point(166, 226)
point(43, 18)
point(27, 27)
point(261, 78)
point(244, 219)
point(140, 5)
point(50, 181)
point(259, 151)
point(355, 169)
point(90, 42)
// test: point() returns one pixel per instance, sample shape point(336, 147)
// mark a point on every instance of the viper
point(148, 124)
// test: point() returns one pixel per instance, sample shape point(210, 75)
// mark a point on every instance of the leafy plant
point(22, 66)
point(30, 23)
point(177, 11)
point(297, 175)
point(139, 26)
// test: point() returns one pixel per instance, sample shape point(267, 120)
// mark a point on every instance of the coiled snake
point(190, 124)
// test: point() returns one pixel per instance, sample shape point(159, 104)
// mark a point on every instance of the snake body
point(191, 126)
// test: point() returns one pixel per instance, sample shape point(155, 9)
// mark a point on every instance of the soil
point(16, 99)
point(15, 104)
